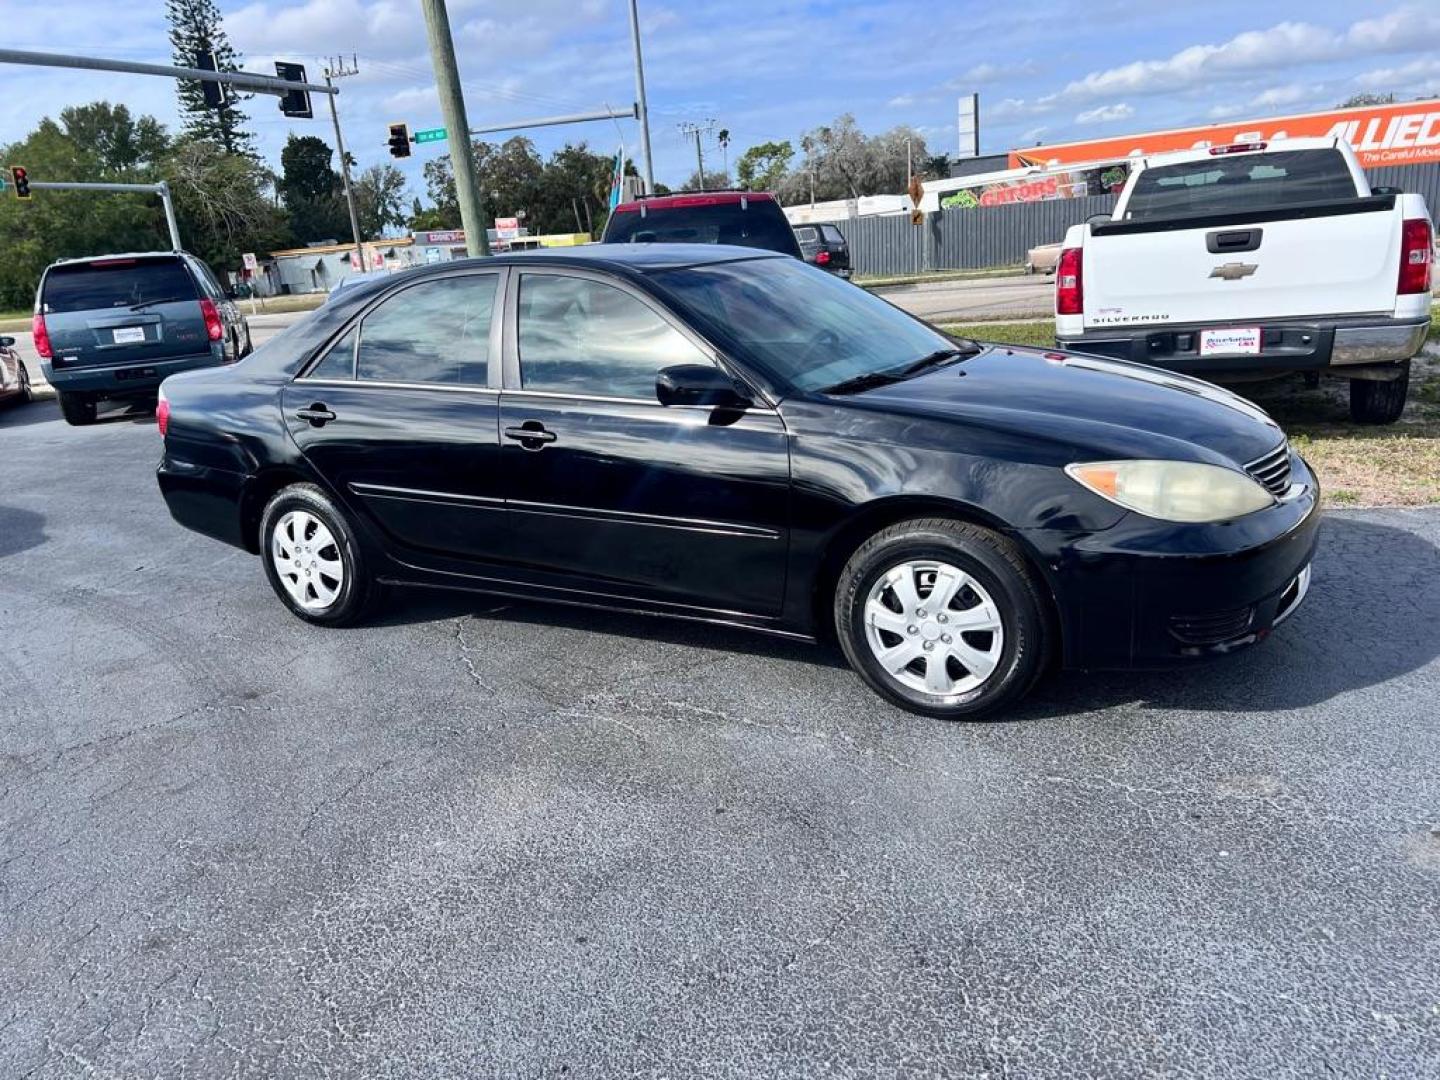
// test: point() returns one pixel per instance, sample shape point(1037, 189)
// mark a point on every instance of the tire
point(994, 588)
point(77, 409)
point(27, 392)
point(1374, 402)
point(328, 584)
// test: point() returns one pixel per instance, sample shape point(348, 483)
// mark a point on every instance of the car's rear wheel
point(27, 392)
point(313, 558)
point(1373, 402)
point(943, 618)
point(77, 409)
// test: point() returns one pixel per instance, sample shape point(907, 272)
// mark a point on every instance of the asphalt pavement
point(482, 838)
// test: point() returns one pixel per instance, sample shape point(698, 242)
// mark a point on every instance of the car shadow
point(15, 414)
point(20, 530)
point(1371, 616)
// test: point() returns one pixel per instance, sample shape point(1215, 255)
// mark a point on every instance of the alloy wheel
point(307, 560)
point(933, 628)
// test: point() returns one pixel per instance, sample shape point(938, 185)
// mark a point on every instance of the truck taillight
point(822, 258)
point(214, 328)
point(1069, 284)
point(41, 335)
point(162, 413)
point(1417, 254)
point(1237, 148)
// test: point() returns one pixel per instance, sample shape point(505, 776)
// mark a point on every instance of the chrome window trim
point(758, 408)
point(462, 388)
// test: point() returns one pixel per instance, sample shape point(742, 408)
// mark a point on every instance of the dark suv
point(744, 218)
point(113, 326)
point(824, 246)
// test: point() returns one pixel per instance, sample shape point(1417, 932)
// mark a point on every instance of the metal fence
point(961, 239)
point(988, 236)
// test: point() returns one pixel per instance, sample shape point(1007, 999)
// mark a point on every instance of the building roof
point(335, 249)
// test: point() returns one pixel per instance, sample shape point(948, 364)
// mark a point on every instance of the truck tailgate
point(1338, 260)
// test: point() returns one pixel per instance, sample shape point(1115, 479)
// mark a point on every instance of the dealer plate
point(1232, 341)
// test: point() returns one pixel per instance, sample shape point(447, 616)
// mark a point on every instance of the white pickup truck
point(1239, 262)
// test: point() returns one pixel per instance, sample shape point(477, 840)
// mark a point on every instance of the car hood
point(1087, 403)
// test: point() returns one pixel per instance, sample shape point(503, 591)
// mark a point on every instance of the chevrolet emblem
point(1234, 271)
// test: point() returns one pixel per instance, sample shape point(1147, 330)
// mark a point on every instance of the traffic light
point(296, 102)
point(399, 140)
point(214, 91)
point(22, 181)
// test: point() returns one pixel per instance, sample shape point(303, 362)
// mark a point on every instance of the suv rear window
point(118, 283)
point(1241, 182)
point(762, 224)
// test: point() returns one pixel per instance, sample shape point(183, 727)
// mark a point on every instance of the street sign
point(249, 261)
point(916, 191)
point(917, 217)
point(430, 135)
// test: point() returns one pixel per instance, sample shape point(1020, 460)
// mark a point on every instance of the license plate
point(1234, 341)
point(128, 335)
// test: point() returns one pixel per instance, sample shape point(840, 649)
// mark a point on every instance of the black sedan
point(727, 435)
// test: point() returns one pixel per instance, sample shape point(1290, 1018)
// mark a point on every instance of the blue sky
point(1046, 70)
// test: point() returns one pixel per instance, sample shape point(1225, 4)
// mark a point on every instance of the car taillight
point(1416, 255)
point(41, 336)
point(162, 414)
point(214, 328)
point(1069, 284)
point(822, 258)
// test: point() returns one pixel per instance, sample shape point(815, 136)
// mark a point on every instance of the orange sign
point(1402, 134)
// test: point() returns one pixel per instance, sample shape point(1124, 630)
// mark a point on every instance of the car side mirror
point(7, 342)
point(698, 384)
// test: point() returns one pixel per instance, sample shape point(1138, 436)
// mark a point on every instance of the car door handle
point(527, 435)
point(317, 414)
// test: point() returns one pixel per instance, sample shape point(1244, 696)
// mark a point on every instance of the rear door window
point(434, 332)
point(832, 234)
point(118, 283)
point(805, 234)
point(760, 224)
point(1241, 182)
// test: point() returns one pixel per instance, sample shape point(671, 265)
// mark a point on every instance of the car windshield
point(1227, 183)
point(117, 283)
point(802, 327)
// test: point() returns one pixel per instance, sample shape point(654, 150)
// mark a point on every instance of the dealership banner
point(1406, 133)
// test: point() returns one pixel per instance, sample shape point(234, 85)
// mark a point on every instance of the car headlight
point(1174, 490)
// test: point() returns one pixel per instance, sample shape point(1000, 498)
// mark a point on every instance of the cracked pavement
point(496, 839)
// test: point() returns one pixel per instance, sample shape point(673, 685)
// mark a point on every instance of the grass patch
point(1396, 465)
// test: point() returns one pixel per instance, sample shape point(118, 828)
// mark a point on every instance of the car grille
point(1213, 627)
point(1273, 470)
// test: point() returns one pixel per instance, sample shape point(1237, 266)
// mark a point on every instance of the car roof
point(693, 198)
point(624, 258)
point(120, 256)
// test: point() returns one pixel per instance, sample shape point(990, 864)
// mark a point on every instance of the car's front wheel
point(313, 558)
point(77, 409)
point(943, 618)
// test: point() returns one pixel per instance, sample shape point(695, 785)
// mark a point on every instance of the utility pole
point(688, 129)
point(338, 70)
point(642, 111)
point(452, 108)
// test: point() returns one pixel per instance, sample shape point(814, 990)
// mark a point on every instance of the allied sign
point(430, 135)
point(1402, 134)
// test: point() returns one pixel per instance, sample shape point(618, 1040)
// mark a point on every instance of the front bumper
point(125, 380)
point(1286, 344)
point(1149, 593)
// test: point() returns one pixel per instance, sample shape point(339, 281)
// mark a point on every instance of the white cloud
point(1031, 136)
point(901, 101)
point(1104, 114)
point(1404, 78)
